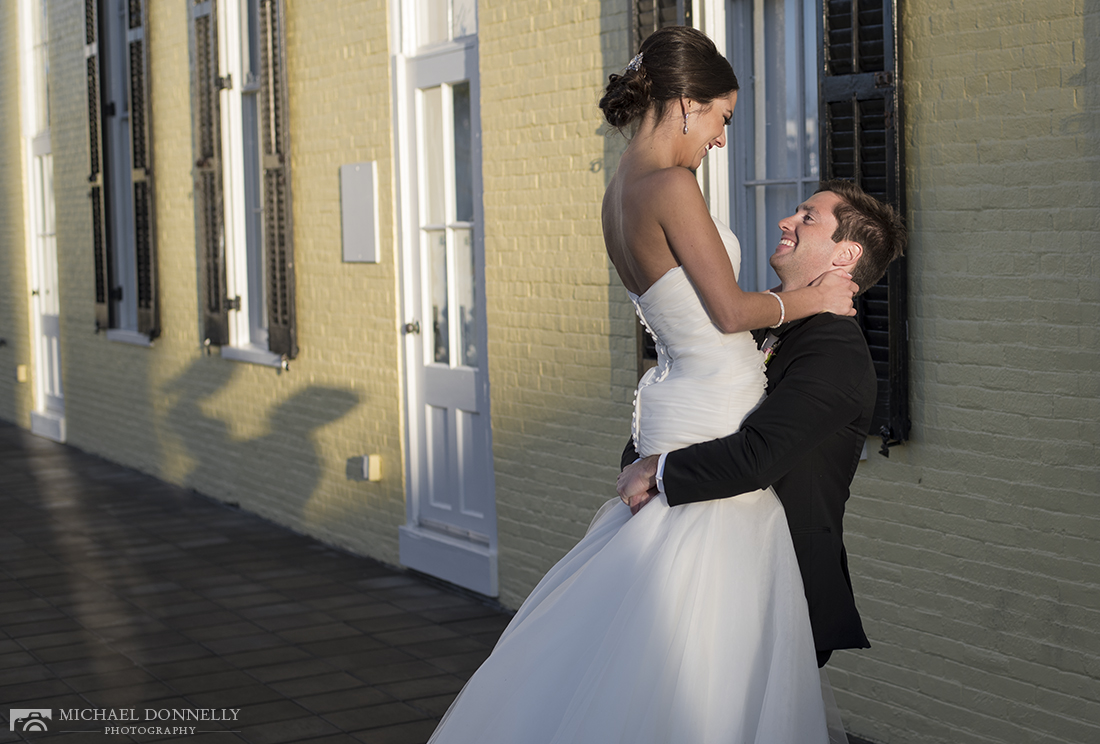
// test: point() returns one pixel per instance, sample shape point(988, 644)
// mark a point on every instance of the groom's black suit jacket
point(804, 439)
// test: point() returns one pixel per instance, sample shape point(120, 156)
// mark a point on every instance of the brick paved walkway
point(118, 591)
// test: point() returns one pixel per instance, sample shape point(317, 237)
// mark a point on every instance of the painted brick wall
point(16, 398)
point(974, 548)
point(561, 334)
point(275, 442)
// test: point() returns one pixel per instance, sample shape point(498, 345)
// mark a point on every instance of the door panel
point(451, 530)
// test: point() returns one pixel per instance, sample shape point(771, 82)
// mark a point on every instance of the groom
point(805, 438)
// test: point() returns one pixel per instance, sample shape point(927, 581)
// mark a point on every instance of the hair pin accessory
point(635, 63)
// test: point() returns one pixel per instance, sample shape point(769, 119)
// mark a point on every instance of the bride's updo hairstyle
point(675, 61)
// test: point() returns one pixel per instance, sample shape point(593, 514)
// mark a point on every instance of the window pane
point(464, 22)
point(45, 195)
point(464, 177)
point(431, 141)
point(47, 240)
point(466, 289)
point(432, 21)
point(437, 258)
point(781, 39)
point(42, 72)
point(779, 202)
point(253, 41)
point(809, 89)
point(254, 206)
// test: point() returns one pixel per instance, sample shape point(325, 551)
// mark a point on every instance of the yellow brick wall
point(561, 331)
point(275, 442)
point(16, 399)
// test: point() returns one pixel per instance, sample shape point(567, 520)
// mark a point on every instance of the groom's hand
point(637, 484)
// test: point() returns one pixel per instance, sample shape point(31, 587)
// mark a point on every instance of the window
point(447, 219)
point(649, 15)
point(774, 148)
point(121, 175)
point(812, 110)
point(242, 179)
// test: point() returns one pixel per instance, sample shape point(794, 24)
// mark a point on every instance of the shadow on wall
point(14, 289)
point(276, 473)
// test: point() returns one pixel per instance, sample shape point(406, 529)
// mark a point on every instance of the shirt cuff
point(661, 473)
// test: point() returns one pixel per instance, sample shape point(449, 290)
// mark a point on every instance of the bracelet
point(782, 309)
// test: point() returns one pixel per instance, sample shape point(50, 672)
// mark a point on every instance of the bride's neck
point(654, 146)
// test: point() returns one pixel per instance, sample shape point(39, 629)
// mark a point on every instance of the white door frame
point(450, 552)
point(48, 416)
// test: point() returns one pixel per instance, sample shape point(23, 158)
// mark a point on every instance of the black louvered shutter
point(207, 174)
point(649, 15)
point(145, 249)
point(96, 181)
point(275, 141)
point(861, 127)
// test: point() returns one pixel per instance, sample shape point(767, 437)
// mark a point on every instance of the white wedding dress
point(683, 625)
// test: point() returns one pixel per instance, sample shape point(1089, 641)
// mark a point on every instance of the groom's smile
point(807, 248)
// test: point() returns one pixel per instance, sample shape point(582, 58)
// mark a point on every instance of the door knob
point(413, 327)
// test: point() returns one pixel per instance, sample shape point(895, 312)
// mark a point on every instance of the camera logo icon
point(30, 719)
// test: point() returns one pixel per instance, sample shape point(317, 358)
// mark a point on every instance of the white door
point(50, 402)
point(451, 529)
point(48, 417)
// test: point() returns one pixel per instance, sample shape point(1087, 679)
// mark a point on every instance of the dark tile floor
point(121, 592)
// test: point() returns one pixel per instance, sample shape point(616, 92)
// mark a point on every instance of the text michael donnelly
point(151, 714)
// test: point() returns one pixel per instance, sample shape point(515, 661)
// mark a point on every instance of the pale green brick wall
point(275, 442)
point(974, 548)
point(16, 399)
point(561, 335)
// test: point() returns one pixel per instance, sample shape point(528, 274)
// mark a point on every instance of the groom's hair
point(863, 219)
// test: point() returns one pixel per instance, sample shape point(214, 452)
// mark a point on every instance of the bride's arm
point(695, 243)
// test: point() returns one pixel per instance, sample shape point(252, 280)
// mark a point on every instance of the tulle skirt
point(685, 625)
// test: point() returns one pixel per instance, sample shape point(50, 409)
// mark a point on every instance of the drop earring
point(685, 123)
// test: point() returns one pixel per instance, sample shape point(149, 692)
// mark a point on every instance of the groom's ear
point(847, 255)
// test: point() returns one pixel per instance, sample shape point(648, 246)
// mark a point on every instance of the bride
point(671, 625)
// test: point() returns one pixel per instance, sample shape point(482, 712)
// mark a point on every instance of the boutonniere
point(771, 343)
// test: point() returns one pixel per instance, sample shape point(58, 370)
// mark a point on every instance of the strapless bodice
point(705, 381)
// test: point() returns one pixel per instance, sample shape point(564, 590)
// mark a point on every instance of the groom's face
point(807, 250)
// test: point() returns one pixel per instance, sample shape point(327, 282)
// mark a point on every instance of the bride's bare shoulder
point(662, 189)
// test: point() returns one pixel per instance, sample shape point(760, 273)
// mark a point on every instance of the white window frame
point(714, 175)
